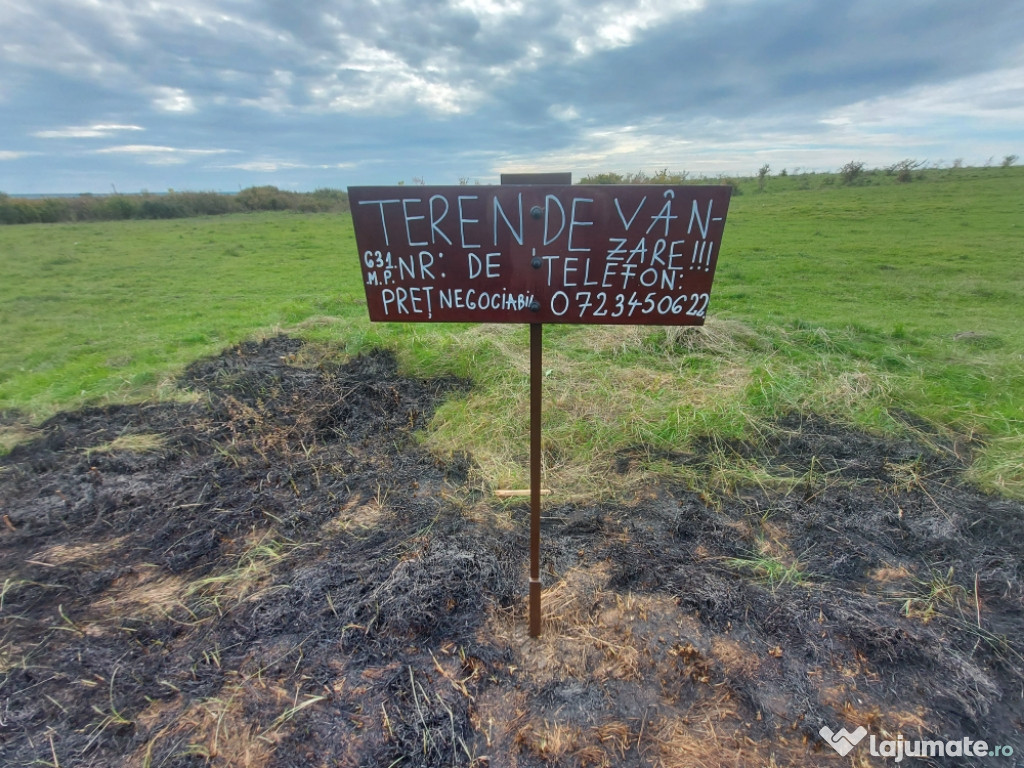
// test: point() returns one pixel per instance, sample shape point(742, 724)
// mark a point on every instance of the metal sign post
point(536, 415)
point(537, 250)
point(536, 377)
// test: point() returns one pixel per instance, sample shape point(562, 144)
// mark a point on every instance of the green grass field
point(861, 303)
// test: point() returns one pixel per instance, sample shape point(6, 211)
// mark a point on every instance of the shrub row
point(854, 173)
point(173, 205)
point(664, 176)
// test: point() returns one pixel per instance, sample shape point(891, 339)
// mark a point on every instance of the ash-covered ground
point(277, 574)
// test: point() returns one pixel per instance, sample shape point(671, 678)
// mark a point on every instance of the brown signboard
point(638, 254)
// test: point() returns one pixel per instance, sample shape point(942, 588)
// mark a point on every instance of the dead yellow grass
point(146, 592)
point(259, 552)
point(597, 636)
point(589, 631)
point(356, 514)
point(11, 656)
point(887, 576)
point(720, 336)
point(862, 710)
point(588, 407)
point(597, 745)
point(215, 730)
point(11, 435)
point(137, 443)
point(223, 730)
point(736, 658)
point(63, 554)
point(712, 735)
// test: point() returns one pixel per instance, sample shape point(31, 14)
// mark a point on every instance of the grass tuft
point(768, 567)
point(931, 595)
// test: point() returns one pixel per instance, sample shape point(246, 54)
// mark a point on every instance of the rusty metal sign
point(537, 250)
point(636, 254)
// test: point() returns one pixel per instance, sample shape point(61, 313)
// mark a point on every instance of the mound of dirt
point(278, 575)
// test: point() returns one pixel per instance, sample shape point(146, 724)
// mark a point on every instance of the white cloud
point(990, 97)
point(493, 9)
point(378, 67)
point(276, 98)
point(116, 127)
point(565, 112)
point(8, 155)
point(150, 149)
point(154, 154)
point(99, 130)
point(263, 166)
point(272, 166)
point(173, 100)
point(609, 25)
point(378, 80)
point(48, 38)
point(710, 147)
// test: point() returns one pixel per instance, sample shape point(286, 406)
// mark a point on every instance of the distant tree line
point(177, 205)
point(854, 173)
point(172, 205)
point(663, 176)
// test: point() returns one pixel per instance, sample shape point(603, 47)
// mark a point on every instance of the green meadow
point(896, 307)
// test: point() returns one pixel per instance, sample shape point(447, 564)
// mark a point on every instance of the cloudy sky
point(224, 94)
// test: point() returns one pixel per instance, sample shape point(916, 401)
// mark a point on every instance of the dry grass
point(223, 730)
point(12, 435)
point(928, 597)
point(215, 730)
point(1001, 467)
point(356, 514)
point(718, 336)
point(589, 419)
point(589, 631)
point(64, 554)
point(597, 745)
point(699, 740)
point(736, 658)
point(11, 657)
point(251, 573)
point(888, 575)
point(136, 443)
point(710, 735)
point(600, 638)
point(145, 592)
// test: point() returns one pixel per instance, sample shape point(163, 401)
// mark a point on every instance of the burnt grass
point(277, 574)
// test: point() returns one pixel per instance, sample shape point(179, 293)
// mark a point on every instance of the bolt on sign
point(537, 250)
point(628, 255)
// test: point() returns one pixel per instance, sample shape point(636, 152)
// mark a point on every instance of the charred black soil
point(277, 574)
